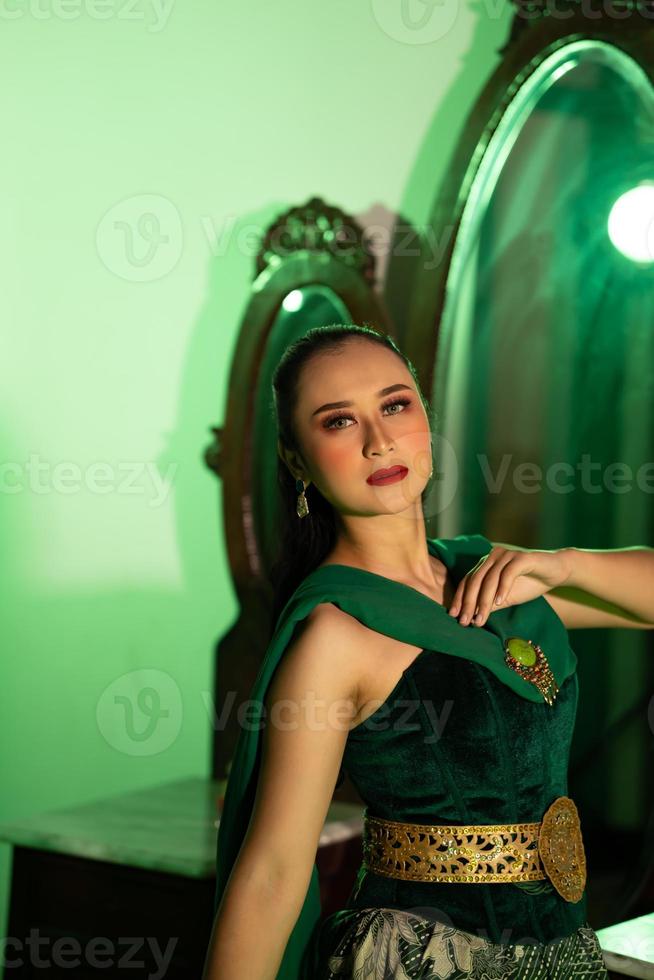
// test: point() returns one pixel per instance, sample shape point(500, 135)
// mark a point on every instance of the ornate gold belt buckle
point(561, 849)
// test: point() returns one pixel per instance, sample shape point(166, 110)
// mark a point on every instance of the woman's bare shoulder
point(329, 648)
point(329, 623)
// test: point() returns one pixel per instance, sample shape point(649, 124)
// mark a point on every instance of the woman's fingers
point(464, 603)
point(491, 588)
point(475, 596)
point(456, 598)
point(479, 594)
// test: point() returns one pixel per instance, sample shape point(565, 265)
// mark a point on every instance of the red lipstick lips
point(389, 475)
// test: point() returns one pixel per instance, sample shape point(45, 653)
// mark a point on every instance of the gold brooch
point(528, 660)
point(561, 849)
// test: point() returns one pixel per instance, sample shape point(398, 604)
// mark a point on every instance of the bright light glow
point(293, 301)
point(631, 223)
point(562, 70)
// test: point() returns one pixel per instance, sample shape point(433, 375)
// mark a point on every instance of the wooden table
point(125, 886)
point(628, 947)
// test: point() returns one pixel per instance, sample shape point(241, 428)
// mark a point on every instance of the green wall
point(145, 149)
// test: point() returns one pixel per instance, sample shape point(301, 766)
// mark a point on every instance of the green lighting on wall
point(631, 223)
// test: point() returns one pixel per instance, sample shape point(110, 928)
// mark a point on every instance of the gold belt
point(550, 848)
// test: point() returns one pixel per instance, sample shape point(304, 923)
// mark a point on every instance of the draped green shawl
point(406, 614)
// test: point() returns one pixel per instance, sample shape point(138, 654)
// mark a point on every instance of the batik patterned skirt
point(381, 943)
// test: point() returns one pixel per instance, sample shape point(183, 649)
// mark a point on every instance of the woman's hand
point(505, 577)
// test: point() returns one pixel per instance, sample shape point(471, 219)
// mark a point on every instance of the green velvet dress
point(453, 745)
point(461, 739)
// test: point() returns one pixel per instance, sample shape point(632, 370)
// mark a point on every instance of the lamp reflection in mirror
point(631, 223)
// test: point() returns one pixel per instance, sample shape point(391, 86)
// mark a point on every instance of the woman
point(374, 618)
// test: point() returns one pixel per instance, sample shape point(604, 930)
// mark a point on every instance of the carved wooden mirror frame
point(314, 245)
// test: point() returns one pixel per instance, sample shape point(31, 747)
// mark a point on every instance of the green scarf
point(404, 613)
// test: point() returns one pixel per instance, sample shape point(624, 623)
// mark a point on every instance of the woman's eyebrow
point(380, 394)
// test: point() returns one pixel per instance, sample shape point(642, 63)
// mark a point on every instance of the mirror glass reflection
point(543, 379)
point(548, 325)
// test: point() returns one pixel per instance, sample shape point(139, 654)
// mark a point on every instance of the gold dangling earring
point(301, 507)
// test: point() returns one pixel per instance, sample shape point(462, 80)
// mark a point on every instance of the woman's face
point(342, 446)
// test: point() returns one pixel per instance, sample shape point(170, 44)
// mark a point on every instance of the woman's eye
point(333, 419)
point(331, 423)
point(398, 401)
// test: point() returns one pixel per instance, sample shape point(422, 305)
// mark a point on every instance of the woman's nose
point(378, 440)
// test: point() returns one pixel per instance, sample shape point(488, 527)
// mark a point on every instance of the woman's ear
point(291, 458)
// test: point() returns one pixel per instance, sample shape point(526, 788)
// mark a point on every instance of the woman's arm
point(310, 704)
point(254, 921)
point(611, 588)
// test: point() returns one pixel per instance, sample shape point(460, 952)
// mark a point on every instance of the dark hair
point(302, 543)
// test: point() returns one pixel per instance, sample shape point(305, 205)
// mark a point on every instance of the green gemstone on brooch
point(522, 651)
